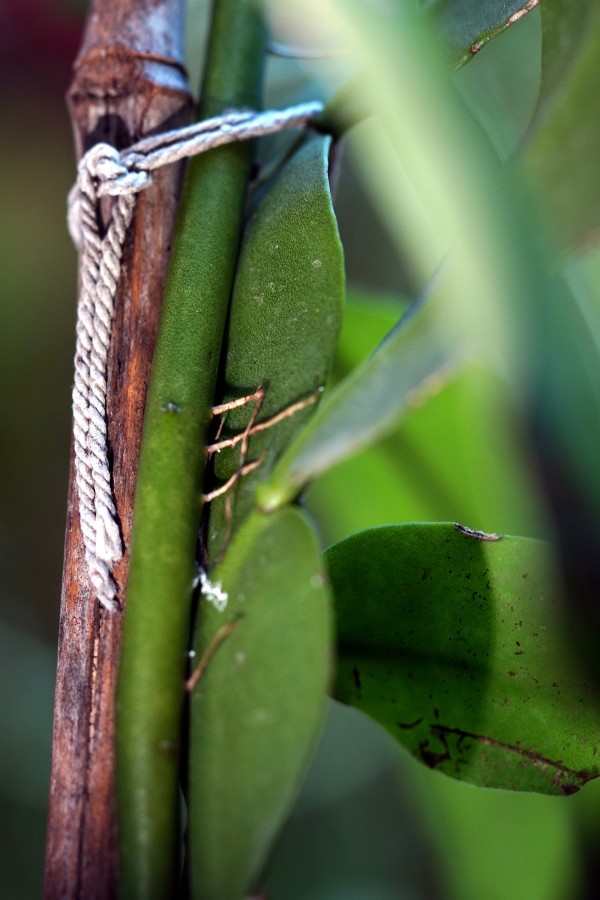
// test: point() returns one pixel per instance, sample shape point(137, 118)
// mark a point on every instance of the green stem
point(171, 468)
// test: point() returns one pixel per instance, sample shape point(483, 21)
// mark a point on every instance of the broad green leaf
point(466, 25)
point(561, 156)
point(452, 642)
point(257, 710)
point(413, 363)
point(285, 318)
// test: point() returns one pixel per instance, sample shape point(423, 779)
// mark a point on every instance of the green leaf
point(285, 318)
point(502, 85)
point(368, 318)
point(413, 363)
point(466, 25)
point(258, 708)
point(564, 33)
point(565, 425)
point(562, 154)
point(454, 458)
point(452, 642)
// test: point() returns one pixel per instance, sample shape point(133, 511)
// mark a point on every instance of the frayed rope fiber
point(104, 171)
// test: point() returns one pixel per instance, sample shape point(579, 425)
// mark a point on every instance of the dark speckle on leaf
point(430, 757)
point(356, 678)
point(408, 725)
point(569, 789)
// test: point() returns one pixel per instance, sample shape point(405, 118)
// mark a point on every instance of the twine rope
point(104, 171)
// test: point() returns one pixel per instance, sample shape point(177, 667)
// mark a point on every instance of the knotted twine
point(104, 171)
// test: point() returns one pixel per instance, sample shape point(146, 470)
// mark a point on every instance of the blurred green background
point(371, 823)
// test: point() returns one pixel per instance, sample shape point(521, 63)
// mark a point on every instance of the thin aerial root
point(290, 410)
point(244, 449)
point(236, 404)
point(257, 397)
point(243, 470)
point(221, 635)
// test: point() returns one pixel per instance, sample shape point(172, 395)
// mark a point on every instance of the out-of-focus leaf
point(565, 30)
point(437, 182)
point(565, 423)
point(257, 710)
point(455, 458)
point(359, 792)
point(414, 362)
point(561, 156)
point(369, 316)
point(503, 844)
point(285, 318)
point(506, 285)
point(451, 641)
point(467, 25)
point(501, 87)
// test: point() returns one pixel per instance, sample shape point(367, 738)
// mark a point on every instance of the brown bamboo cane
point(129, 80)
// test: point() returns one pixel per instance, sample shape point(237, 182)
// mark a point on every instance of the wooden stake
point(129, 81)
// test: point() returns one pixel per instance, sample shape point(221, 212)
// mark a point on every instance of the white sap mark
point(317, 263)
point(214, 593)
point(317, 581)
point(240, 657)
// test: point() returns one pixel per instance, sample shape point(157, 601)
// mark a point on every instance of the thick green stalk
point(171, 469)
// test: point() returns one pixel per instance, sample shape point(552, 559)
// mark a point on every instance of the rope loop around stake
point(105, 171)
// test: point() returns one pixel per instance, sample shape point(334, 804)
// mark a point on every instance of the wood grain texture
point(129, 81)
